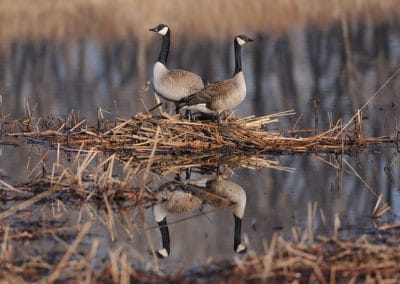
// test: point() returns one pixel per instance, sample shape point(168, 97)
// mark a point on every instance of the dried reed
point(170, 144)
point(136, 137)
point(332, 260)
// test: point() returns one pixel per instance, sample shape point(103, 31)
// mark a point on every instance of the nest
point(172, 134)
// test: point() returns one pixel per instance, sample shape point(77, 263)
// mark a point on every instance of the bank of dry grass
point(107, 19)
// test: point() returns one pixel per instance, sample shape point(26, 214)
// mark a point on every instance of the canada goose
point(221, 95)
point(175, 84)
point(176, 198)
point(179, 197)
point(226, 194)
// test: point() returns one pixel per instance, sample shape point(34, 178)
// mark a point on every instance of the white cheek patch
point(163, 31)
point(240, 41)
point(241, 248)
point(163, 253)
point(159, 212)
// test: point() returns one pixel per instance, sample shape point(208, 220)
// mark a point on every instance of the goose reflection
point(184, 196)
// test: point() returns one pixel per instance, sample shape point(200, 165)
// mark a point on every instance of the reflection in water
point(178, 197)
point(276, 201)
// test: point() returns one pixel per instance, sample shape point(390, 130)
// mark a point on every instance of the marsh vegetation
point(314, 145)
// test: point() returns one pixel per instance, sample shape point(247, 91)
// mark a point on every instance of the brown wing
point(220, 88)
point(198, 98)
point(214, 91)
point(186, 79)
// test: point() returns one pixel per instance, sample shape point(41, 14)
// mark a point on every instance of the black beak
point(154, 29)
point(249, 39)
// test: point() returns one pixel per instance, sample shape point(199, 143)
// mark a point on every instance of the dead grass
point(324, 260)
point(114, 164)
point(107, 20)
point(164, 145)
point(133, 139)
point(327, 260)
point(170, 144)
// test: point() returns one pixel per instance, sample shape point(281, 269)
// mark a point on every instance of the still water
point(297, 70)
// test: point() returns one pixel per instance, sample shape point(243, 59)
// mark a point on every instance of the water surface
point(304, 69)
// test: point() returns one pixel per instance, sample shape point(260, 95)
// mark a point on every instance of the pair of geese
point(187, 90)
point(177, 197)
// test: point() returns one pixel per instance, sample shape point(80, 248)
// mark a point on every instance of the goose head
point(162, 29)
point(242, 39)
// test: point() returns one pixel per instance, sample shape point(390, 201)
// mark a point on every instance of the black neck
point(163, 57)
point(164, 234)
point(238, 57)
point(237, 240)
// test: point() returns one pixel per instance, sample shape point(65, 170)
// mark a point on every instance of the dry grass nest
point(171, 134)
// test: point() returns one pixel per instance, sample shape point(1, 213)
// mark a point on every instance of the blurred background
point(319, 58)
